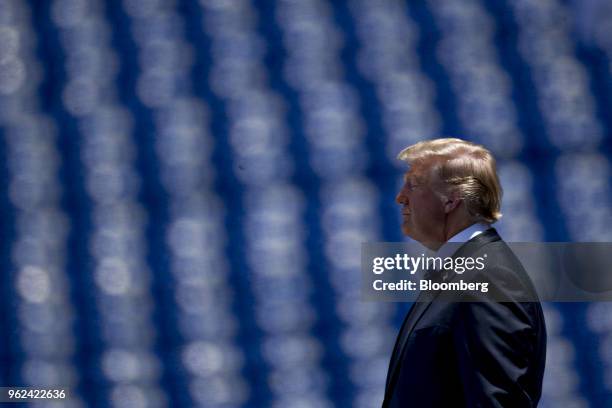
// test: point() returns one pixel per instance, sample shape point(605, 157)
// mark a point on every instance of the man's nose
point(400, 198)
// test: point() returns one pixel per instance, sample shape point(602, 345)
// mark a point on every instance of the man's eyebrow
point(409, 178)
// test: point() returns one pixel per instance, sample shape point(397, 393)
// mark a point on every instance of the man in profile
point(479, 351)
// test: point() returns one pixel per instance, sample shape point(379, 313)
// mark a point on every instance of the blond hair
point(467, 167)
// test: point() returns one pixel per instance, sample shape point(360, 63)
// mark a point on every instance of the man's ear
point(451, 202)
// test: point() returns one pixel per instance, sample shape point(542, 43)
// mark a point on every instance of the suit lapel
point(420, 306)
point(413, 316)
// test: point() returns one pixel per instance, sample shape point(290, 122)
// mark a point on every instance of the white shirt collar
point(462, 236)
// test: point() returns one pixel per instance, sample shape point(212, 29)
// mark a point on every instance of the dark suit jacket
point(477, 353)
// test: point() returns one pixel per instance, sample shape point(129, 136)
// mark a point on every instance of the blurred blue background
point(186, 185)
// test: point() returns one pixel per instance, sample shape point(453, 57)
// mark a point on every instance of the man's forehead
point(415, 170)
point(419, 171)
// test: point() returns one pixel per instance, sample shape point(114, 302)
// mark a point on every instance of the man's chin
point(407, 232)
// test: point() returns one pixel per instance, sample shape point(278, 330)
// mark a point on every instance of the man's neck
point(462, 236)
point(454, 233)
point(453, 229)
